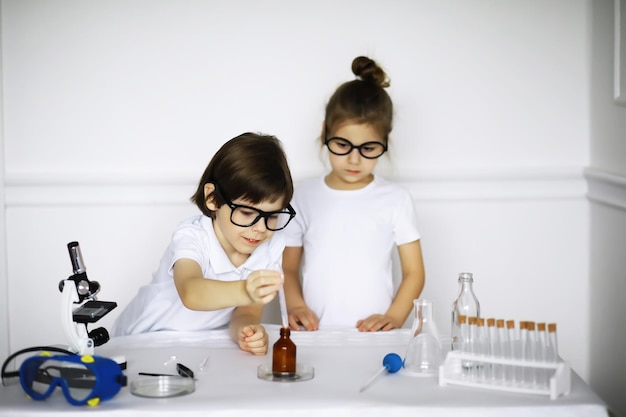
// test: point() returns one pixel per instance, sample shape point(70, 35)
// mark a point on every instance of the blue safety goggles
point(83, 379)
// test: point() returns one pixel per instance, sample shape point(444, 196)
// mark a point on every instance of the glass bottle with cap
point(284, 355)
point(466, 304)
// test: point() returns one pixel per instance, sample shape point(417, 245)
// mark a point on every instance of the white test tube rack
point(452, 372)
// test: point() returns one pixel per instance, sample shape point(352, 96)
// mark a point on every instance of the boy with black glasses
point(217, 269)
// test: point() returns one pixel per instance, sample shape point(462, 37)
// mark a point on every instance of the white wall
point(607, 190)
point(4, 312)
point(113, 109)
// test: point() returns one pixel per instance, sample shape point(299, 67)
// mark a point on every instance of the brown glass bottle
point(284, 359)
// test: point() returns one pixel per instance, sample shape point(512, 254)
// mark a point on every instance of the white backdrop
point(111, 110)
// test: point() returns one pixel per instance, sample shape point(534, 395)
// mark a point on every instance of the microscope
point(78, 289)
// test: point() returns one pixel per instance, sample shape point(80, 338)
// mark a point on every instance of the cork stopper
point(541, 327)
point(480, 321)
point(491, 322)
point(471, 320)
point(462, 319)
point(500, 323)
point(552, 327)
point(523, 325)
point(530, 325)
point(510, 324)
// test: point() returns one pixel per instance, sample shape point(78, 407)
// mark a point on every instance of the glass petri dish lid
point(164, 386)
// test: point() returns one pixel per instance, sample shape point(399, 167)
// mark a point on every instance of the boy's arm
point(246, 331)
point(299, 313)
point(199, 293)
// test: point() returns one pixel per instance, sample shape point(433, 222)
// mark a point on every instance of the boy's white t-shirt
point(348, 237)
point(157, 306)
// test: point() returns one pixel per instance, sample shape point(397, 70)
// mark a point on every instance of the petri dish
point(162, 386)
point(303, 372)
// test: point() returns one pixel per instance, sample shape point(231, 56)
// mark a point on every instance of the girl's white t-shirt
point(348, 239)
point(157, 305)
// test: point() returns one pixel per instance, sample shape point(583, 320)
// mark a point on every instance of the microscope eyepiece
point(78, 265)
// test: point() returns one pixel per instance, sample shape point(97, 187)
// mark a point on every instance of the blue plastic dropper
point(392, 362)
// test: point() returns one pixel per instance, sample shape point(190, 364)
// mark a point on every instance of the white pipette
point(281, 298)
point(392, 362)
point(283, 306)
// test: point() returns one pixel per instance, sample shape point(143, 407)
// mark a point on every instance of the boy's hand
point(303, 317)
point(253, 338)
point(377, 322)
point(263, 285)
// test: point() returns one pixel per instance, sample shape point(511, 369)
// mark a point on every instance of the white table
point(343, 361)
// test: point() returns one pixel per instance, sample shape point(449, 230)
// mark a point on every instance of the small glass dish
point(304, 372)
point(164, 386)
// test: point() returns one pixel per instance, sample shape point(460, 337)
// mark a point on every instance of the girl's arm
point(299, 313)
point(412, 282)
point(199, 293)
point(410, 288)
point(246, 331)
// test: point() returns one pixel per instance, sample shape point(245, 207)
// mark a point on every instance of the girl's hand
point(253, 338)
point(303, 317)
point(377, 322)
point(262, 285)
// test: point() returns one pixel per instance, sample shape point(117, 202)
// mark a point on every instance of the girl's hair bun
point(367, 70)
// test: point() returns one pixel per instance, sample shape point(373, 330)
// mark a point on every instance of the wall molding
point(606, 188)
point(425, 185)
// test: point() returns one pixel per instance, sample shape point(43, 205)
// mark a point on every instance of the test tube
point(541, 341)
point(481, 344)
point(470, 366)
point(543, 376)
point(510, 330)
point(494, 349)
point(521, 352)
point(464, 334)
point(531, 356)
point(553, 349)
point(504, 349)
point(463, 342)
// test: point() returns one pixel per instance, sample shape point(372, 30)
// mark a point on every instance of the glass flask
point(466, 304)
point(284, 355)
point(424, 354)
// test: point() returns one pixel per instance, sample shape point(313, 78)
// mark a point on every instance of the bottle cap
point(466, 276)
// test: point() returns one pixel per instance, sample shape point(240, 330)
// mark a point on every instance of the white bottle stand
point(452, 372)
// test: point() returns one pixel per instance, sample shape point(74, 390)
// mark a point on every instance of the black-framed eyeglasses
point(369, 150)
point(246, 216)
